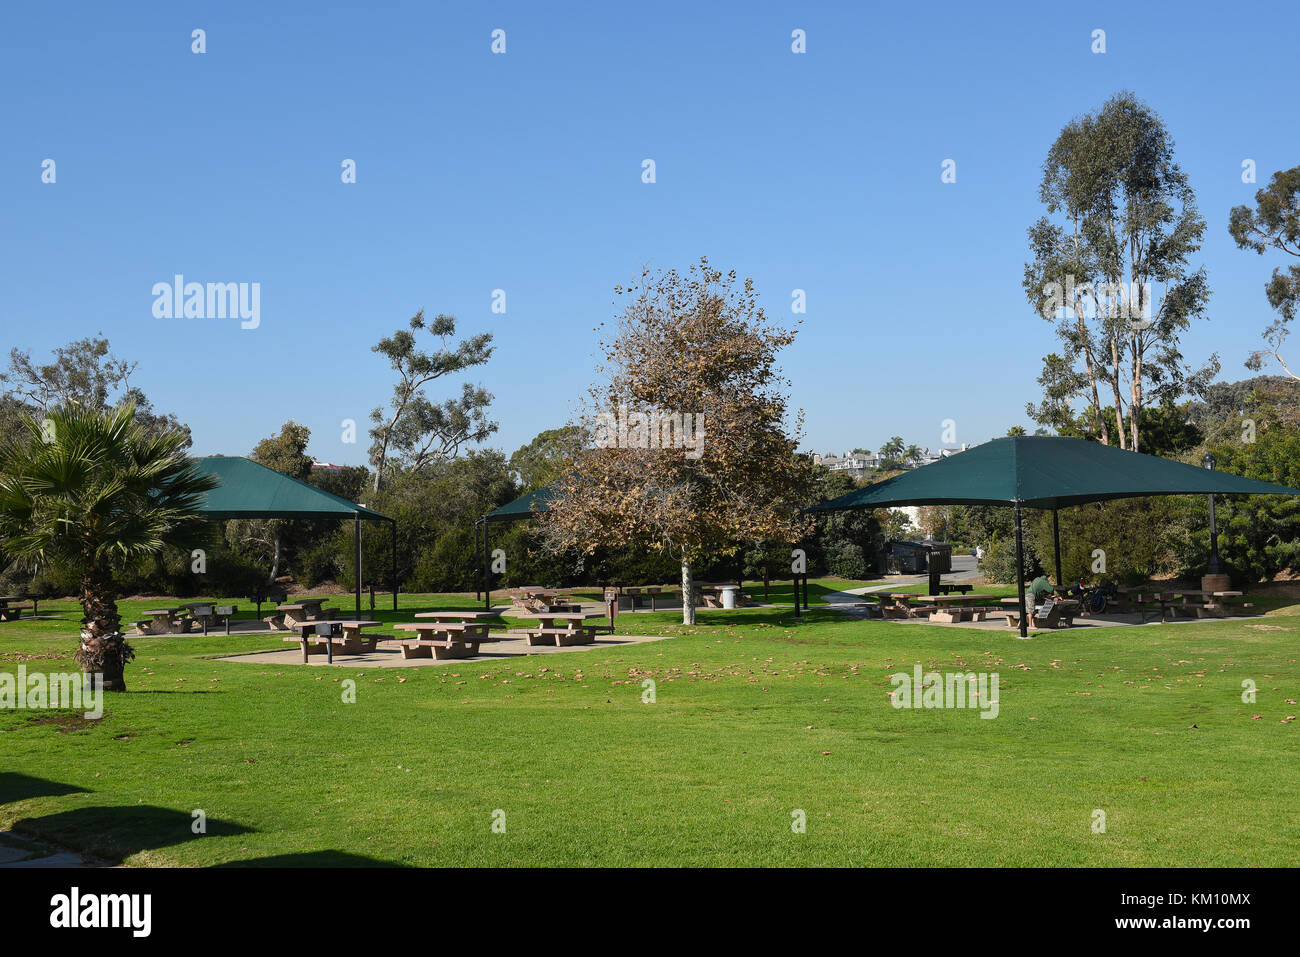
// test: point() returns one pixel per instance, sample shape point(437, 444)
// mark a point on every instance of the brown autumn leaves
point(687, 344)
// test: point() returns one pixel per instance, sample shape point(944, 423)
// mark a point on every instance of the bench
point(1053, 613)
point(560, 637)
point(439, 648)
point(14, 612)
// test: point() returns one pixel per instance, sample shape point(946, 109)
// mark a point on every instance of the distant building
point(856, 464)
point(326, 467)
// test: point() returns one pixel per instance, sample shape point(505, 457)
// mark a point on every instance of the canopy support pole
point(393, 525)
point(356, 535)
point(487, 571)
point(478, 564)
point(1020, 574)
point(1056, 544)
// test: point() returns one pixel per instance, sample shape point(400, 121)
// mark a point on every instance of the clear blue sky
point(523, 172)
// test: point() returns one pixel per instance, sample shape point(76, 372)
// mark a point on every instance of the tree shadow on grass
point(115, 833)
point(312, 859)
point(21, 787)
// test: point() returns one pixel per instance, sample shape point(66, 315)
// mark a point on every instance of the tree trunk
point(99, 606)
point(98, 602)
point(275, 561)
point(688, 593)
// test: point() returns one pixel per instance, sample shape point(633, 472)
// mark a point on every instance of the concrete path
point(18, 851)
point(392, 657)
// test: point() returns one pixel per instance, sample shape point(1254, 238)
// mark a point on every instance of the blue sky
point(522, 172)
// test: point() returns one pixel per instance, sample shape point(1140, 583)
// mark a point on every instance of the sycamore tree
point(1110, 270)
point(689, 452)
point(1274, 223)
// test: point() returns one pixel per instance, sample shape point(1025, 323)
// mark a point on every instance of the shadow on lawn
point(20, 787)
point(311, 859)
point(115, 833)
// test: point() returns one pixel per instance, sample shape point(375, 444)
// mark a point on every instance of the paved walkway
point(18, 851)
point(392, 657)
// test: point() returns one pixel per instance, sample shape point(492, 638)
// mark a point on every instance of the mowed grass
point(757, 716)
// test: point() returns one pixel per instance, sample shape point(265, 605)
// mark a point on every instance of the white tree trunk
point(688, 593)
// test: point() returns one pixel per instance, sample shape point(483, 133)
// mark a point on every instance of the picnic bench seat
point(14, 612)
point(1053, 613)
point(560, 637)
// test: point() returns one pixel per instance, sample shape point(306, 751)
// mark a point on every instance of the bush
point(999, 564)
point(845, 560)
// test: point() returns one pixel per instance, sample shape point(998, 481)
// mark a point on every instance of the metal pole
point(1215, 568)
point(487, 571)
point(1056, 543)
point(1020, 574)
point(393, 526)
point(356, 534)
point(478, 565)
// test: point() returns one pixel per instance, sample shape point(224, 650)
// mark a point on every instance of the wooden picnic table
point(946, 587)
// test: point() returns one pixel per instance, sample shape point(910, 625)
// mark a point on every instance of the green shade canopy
point(1046, 472)
point(250, 490)
point(538, 500)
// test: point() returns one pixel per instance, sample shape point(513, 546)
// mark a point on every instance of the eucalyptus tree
point(1274, 223)
point(415, 429)
point(1110, 268)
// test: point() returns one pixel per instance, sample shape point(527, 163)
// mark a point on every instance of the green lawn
point(757, 715)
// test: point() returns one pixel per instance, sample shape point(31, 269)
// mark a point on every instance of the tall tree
point(286, 453)
point(87, 372)
point(93, 489)
point(548, 456)
point(1274, 223)
point(1122, 220)
point(698, 345)
point(414, 428)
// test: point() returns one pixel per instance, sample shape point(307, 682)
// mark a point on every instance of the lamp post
point(1215, 567)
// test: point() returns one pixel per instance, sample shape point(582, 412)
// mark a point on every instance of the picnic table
point(961, 587)
point(960, 607)
point(288, 614)
point(653, 592)
point(1213, 604)
point(572, 632)
point(12, 612)
point(442, 639)
point(898, 604)
point(161, 621)
point(321, 637)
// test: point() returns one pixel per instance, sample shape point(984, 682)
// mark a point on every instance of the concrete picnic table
point(959, 607)
point(162, 620)
point(286, 612)
point(1170, 599)
point(10, 612)
point(443, 639)
point(354, 641)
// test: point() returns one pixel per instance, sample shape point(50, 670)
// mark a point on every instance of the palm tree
point(93, 490)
